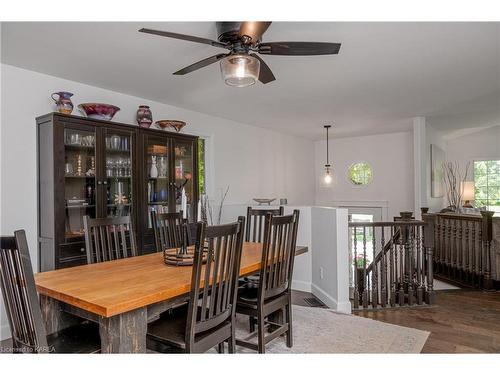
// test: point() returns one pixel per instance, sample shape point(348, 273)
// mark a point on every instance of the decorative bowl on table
point(175, 124)
point(264, 200)
point(99, 111)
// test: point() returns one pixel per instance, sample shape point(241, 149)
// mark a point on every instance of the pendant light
point(327, 178)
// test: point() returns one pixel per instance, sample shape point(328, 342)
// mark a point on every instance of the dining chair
point(23, 308)
point(169, 229)
point(109, 238)
point(255, 221)
point(254, 233)
point(209, 318)
point(272, 295)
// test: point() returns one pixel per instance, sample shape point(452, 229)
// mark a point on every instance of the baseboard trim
point(303, 286)
point(327, 299)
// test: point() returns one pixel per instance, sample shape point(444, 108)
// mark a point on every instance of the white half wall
point(330, 257)
point(253, 161)
point(391, 158)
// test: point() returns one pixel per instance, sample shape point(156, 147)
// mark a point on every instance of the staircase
point(392, 263)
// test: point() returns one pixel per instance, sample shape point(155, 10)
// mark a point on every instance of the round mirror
point(360, 173)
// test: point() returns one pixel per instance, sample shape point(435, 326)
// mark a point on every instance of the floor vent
point(314, 302)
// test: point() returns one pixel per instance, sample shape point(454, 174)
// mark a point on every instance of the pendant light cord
point(327, 159)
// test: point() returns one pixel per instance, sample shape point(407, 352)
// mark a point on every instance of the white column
point(419, 164)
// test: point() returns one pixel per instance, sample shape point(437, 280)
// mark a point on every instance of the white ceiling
point(385, 74)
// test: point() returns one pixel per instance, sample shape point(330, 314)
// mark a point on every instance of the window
point(487, 184)
point(360, 174)
point(201, 167)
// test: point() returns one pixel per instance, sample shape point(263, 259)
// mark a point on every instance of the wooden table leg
point(124, 333)
point(53, 315)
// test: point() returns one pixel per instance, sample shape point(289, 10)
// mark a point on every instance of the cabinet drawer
point(75, 249)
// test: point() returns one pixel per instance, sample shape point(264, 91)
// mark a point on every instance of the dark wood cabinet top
point(54, 116)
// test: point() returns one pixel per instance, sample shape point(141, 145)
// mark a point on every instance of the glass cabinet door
point(80, 180)
point(118, 180)
point(157, 177)
point(183, 188)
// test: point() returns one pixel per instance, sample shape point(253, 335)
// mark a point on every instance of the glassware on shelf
point(115, 142)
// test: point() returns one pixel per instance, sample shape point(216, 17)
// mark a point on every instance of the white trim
point(343, 307)
point(383, 205)
point(303, 286)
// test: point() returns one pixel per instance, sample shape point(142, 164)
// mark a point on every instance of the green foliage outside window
point(487, 184)
point(201, 166)
point(360, 174)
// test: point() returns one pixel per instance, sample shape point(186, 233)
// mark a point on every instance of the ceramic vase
point(153, 173)
point(63, 102)
point(144, 116)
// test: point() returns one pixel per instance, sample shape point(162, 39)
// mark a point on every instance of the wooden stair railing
point(401, 271)
point(463, 253)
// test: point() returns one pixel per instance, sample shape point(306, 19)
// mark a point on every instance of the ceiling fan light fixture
point(240, 70)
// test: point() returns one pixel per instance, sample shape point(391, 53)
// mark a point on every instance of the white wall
point(391, 159)
point(254, 162)
point(483, 144)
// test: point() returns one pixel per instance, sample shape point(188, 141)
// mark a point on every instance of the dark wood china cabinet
point(101, 169)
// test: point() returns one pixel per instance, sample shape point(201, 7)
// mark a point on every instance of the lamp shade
point(467, 188)
point(240, 70)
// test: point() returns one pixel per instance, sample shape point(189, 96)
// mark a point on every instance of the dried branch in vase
point(453, 180)
point(207, 214)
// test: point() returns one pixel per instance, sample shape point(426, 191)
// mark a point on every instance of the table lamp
point(467, 188)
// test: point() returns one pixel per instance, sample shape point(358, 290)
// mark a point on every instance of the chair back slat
point(278, 253)
point(214, 281)
point(256, 220)
point(170, 230)
point(20, 296)
point(106, 238)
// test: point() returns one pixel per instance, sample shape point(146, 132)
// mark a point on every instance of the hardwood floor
point(461, 321)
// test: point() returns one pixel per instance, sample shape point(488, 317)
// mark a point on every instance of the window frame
point(487, 200)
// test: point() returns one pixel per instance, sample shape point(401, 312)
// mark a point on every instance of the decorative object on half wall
point(267, 201)
point(99, 111)
point(177, 125)
point(453, 180)
point(144, 116)
point(63, 102)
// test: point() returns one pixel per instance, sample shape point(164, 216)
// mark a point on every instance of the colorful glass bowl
point(175, 124)
point(99, 111)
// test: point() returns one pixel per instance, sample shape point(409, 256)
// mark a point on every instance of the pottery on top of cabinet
point(99, 111)
point(144, 116)
point(63, 101)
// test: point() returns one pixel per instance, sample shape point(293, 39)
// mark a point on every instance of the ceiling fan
point(241, 66)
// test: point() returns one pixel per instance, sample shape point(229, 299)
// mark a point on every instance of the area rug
point(317, 330)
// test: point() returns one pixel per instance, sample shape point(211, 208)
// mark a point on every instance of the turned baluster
point(356, 273)
point(409, 250)
point(487, 237)
point(383, 271)
point(365, 286)
point(394, 267)
point(374, 271)
point(402, 265)
point(418, 239)
point(466, 252)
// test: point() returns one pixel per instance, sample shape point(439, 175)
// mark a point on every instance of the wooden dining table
point(123, 295)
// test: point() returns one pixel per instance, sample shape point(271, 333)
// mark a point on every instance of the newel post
point(429, 248)
point(487, 237)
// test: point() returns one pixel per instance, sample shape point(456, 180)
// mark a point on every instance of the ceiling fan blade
point(200, 64)
point(253, 30)
point(299, 48)
point(265, 73)
point(189, 38)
